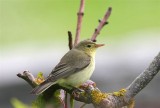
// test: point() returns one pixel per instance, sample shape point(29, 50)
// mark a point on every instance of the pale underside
point(78, 78)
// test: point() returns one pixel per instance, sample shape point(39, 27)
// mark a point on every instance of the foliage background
point(33, 36)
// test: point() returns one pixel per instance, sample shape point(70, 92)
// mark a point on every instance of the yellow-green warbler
point(75, 67)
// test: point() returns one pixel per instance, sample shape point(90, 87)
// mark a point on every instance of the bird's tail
point(42, 87)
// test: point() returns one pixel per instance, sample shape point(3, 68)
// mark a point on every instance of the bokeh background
point(33, 36)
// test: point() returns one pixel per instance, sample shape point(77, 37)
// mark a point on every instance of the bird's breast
point(80, 77)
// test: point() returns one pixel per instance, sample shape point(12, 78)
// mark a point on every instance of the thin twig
point(79, 22)
point(62, 98)
point(102, 23)
point(70, 43)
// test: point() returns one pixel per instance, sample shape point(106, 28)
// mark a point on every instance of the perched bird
point(75, 67)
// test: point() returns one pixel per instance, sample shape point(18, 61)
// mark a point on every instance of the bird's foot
point(76, 91)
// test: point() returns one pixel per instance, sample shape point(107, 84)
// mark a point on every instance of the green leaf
point(18, 104)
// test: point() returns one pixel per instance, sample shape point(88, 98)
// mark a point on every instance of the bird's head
point(88, 46)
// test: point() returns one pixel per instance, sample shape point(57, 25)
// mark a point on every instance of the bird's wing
point(73, 61)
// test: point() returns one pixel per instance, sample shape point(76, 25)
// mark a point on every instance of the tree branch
point(91, 94)
point(144, 78)
point(102, 23)
point(79, 22)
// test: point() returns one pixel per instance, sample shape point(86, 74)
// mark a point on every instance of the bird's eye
point(88, 46)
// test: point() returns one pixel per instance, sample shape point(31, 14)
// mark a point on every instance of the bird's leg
point(76, 90)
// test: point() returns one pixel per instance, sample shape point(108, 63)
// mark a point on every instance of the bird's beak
point(99, 45)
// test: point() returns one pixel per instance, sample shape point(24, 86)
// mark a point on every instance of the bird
point(74, 68)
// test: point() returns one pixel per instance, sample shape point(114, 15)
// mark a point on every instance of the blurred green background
point(33, 36)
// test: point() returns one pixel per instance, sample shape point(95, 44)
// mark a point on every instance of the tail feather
point(41, 88)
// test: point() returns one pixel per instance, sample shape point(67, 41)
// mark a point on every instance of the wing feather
point(73, 61)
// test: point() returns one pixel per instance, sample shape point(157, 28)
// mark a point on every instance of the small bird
point(74, 69)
